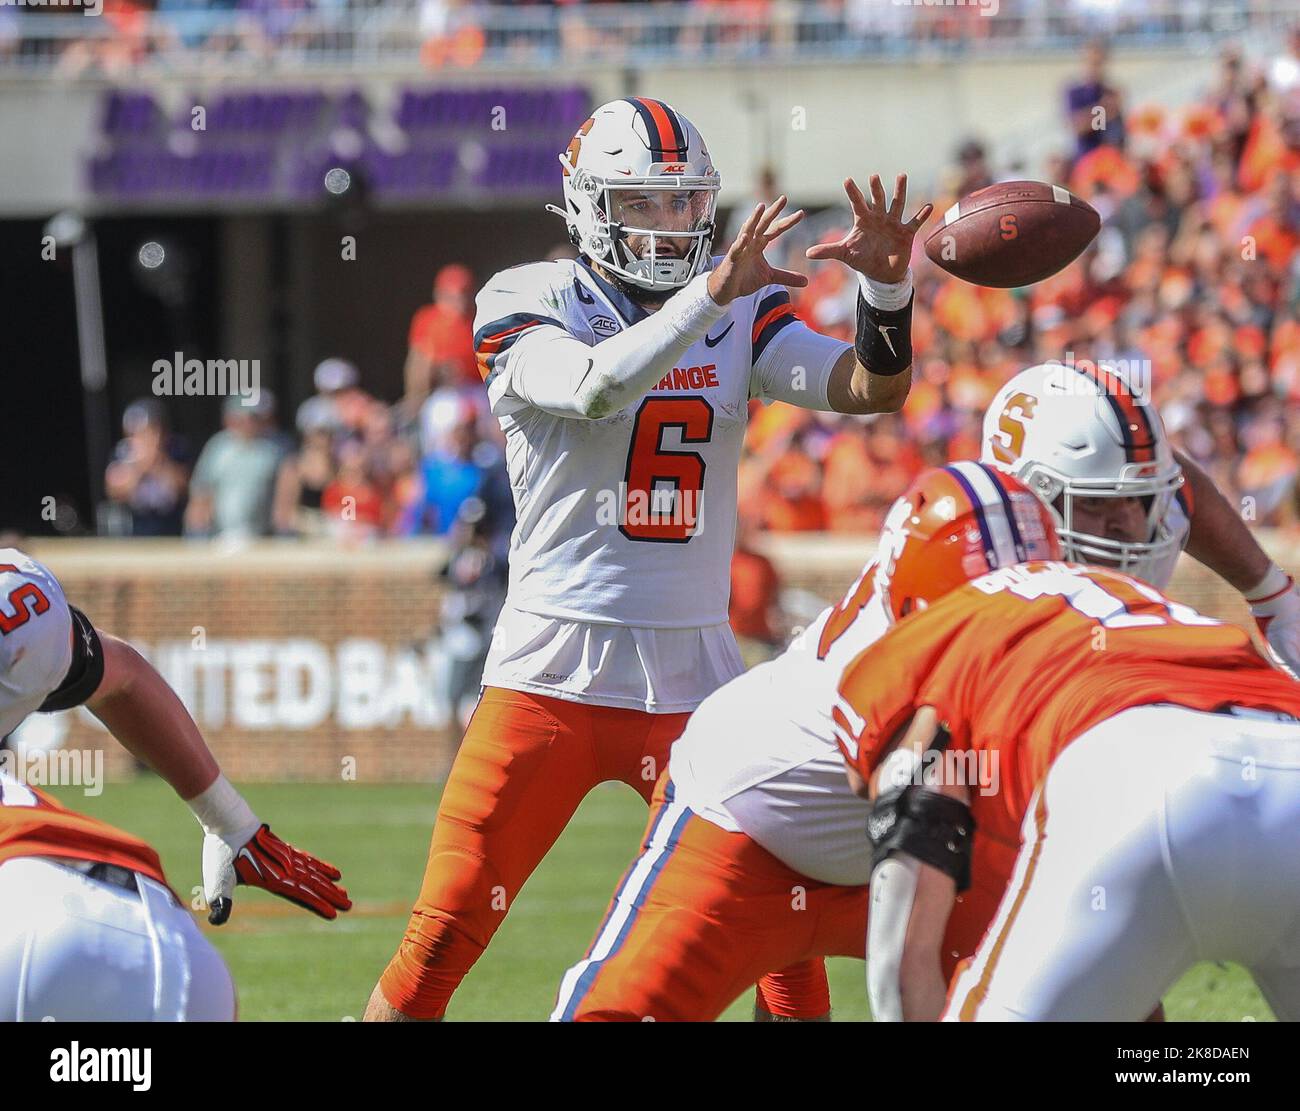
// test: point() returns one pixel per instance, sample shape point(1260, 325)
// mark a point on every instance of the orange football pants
point(700, 916)
point(525, 764)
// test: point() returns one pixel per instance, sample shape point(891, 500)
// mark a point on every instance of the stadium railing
point(407, 35)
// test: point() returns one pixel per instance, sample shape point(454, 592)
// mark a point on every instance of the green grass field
point(290, 965)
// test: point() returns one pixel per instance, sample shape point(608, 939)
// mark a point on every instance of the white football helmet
point(638, 167)
point(1072, 431)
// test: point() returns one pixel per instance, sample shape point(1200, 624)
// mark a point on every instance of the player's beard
point(647, 298)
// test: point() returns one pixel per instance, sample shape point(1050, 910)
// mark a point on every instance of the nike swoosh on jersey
point(713, 341)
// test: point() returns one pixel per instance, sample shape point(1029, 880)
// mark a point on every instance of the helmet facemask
point(654, 233)
point(1139, 558)
point(674, 227)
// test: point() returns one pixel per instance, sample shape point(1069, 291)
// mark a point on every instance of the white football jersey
point(630, 519)
point(35, 637)
point(759, 755)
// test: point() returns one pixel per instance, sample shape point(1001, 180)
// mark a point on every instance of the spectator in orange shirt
point(792, 500)
point(755, 599)
point(1277, 232)
point(353, 503)
point(441, 340)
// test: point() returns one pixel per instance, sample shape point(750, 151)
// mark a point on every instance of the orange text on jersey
point(689, 378)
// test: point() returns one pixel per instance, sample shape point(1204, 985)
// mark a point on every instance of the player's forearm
point(562, 375)
point(150, 721)
point(873, 393)
point(876, 375)
point(921, 983)
point(1219, 538)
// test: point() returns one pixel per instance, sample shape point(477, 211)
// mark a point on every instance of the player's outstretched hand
point(879, 244)
point(264, 861)
point(744, 269)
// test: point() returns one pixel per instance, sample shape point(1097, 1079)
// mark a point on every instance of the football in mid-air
point(1013, 233)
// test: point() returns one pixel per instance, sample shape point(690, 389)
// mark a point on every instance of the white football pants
point(77, 948)
point(1160, 837)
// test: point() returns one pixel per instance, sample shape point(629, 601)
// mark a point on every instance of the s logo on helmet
point(575, 144)
point(674, 168)
point(1011, 424)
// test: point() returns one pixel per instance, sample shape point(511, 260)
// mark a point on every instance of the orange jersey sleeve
point(1022, 661)
point(33, 824)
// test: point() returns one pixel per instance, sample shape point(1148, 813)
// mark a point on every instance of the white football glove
point(219, 878)
point(263, 860)
point(240, 848)
point(1275, 606)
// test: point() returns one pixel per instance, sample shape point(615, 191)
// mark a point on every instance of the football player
point(53, 658)
point(89, 929)
point(622, 382)
point(756, 853)
point(1147, 761)
point(757, 760)
point(1093, 447)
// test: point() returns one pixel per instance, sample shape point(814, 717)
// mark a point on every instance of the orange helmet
point(954, 524)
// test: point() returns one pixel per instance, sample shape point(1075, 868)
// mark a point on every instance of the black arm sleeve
point(86, 671)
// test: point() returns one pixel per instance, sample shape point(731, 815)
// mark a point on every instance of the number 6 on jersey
point(663, 488)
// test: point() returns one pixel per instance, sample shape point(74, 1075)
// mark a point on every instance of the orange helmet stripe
point(1135, 425)
point(667, 137)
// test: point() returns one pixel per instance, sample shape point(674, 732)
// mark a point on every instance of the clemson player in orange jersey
point(89, 929)
point(1145, 771)
point(756, 853)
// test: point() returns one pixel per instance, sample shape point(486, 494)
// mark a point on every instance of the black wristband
point(884, 339)
point(937, 830)
point(86, 671)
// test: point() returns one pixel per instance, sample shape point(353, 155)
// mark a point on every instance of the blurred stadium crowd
point(1193, 285)
point(176, 34)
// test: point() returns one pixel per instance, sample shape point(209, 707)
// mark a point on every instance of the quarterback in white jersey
point(53, 658)
point(622, 382)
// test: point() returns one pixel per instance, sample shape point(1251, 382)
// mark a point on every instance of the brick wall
point(313, 663)
point(299, 663)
